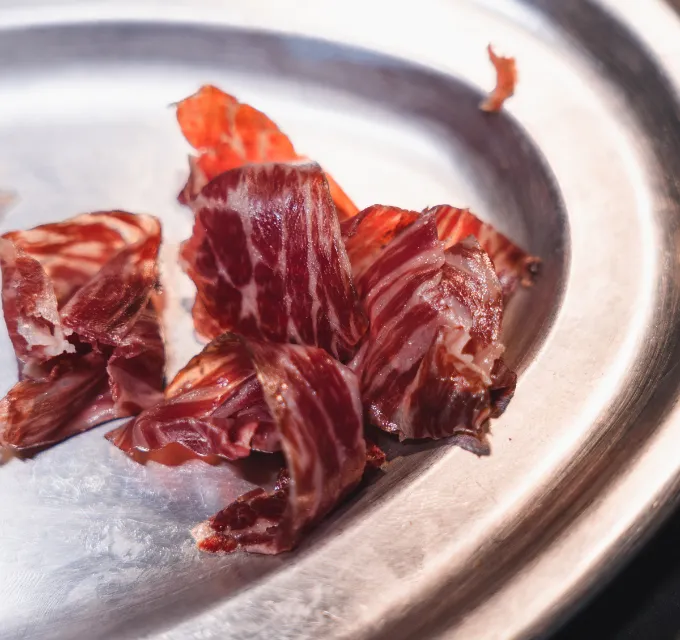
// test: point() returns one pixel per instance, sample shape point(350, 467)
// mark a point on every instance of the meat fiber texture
point(268, 261)
point(77, 300)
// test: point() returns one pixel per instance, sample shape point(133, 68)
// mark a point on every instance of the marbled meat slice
point(228, 134)
point(312, 403)
point(213, 409)
point(31, 309)
point(72, 397)
point(108, 305)
point(136, 366)
point(513, 265)
point(72, 251)
point(43, 267)
point(430, 364)
point(77, 303)
point(367, 234)
point(268, 261)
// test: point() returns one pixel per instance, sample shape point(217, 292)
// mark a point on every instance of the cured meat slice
point(307, 401)
point(78, 391)
point(30, 306)
point(513, 265)
point(107, 307)
point(72, 251)
point(430, 365)
point(367, 234)
point(461, 382)
point(268, 261)
point(73, 397)
point(136, 366)
point(76, 300)
point(315, 403)
point(44, 267)
point(229, 134)
point(213, 409)
point(506, 80)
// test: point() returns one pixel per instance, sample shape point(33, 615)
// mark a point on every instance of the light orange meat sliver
point(506, 81)
point(229, 134)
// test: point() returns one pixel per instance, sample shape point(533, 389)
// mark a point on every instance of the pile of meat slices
point(319, 319)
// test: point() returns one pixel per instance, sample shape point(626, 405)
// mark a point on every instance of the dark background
point(642, 602)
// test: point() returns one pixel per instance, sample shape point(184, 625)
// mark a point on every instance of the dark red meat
point(268, 261)
point(368, 233)
point(311, 408)
point(213, 409)
point(430, 361)
point(77, 303)
point(513, 265)
point(73, 397)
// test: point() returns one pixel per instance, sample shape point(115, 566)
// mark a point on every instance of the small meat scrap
point(314, 405)
point(430, 365)
point(229, 134)
point(268, 260)
point(506, 80)
point(78, 307)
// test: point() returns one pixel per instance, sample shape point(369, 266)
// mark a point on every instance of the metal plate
point(582, 169)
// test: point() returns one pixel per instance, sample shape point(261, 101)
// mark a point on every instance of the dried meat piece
point(513, 265)
point(457, 387)
point(506, 80)
point(268, 261)
point(367, 234)
point(229, 134)
point(73, 397)
point(427, 365)
point(136, 366)
point(375, 456)
point(108, 305)
point(312, 408)
point(76, 300)
point(30, 307)
point(73, 251)
point(213, 410)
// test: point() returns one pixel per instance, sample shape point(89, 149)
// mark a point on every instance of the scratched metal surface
point(582, 169)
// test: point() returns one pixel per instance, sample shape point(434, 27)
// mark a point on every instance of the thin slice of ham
point(268, 261)
point(430, 364)
point(228, 134)
point(30, 307)
point(73, 397)
point(77, 303)
point(368, 233)
point(461, 382)
point(213, 410)
point(513, 265)
point(307, 402)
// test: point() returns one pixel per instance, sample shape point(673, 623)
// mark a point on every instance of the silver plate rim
point(652, 476)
